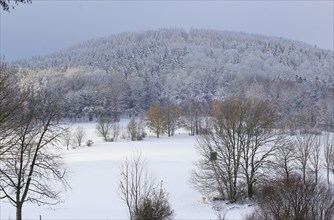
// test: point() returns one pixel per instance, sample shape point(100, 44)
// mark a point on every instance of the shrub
point(295, 199)
point(154, 207)
point(136, 130)
point(144, 199)
point(89, 143)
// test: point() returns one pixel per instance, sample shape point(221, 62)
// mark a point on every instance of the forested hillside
point(127, 73)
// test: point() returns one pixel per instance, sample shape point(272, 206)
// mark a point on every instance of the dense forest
point(126, 74)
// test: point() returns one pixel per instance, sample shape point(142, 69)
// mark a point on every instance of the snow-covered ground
point(95, 172)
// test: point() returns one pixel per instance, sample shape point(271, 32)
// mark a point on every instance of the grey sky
point(47, 26)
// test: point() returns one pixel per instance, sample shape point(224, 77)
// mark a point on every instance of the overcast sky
point(46, 26)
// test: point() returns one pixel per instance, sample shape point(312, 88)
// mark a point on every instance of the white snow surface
point(94, 180)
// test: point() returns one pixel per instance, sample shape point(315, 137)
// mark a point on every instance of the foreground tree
point(259, 141)
point(11, 103)
point(144, 199)
point(30, 170)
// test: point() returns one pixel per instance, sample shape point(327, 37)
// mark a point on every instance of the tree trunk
point(19, 211)
point(250, 191)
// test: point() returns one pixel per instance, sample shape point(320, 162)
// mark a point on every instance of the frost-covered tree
point(79, 135)
point(7, 6)
point(124, 74)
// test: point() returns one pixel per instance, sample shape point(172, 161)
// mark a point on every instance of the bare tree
point(315, 158)
point(138, 189)
point(242, 139)
point(29, 170)
point(79, 135)
point(193, 113)
point(259, 140)
point(11, 102)
point(103, 128)
point(136, 129)
point(329, 154)
point(224, 140)
point(284, 158)
point(296, 198)
point(173, 117)
point(66, 138)
point(304, 150)
point(115, 130)
point(136, 183)
point(132, 128)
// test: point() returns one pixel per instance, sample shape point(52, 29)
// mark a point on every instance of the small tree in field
point(136, 129)
point(67, 138)
point(193, 113)
point(79, 135)
point(132, 128)
point(172, 116)
point(104, 128)
point(144, 199)
point(307, 150)
point(284, 159)
point(156, 119)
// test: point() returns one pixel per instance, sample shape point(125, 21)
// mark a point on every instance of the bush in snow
point(89, 143)
point(145, 200)
point(136, 130)
point(154, 207)
point(294, 198)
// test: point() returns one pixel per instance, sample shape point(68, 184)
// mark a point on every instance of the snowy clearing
point(95, 172)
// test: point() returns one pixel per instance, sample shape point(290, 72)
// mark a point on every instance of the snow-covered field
point(95, 172)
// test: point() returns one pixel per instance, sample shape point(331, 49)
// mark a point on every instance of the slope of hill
point(129, 72)
point(167, 50)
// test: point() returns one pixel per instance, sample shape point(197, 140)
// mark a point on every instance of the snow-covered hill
point(128, 73)
point(168, 50)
